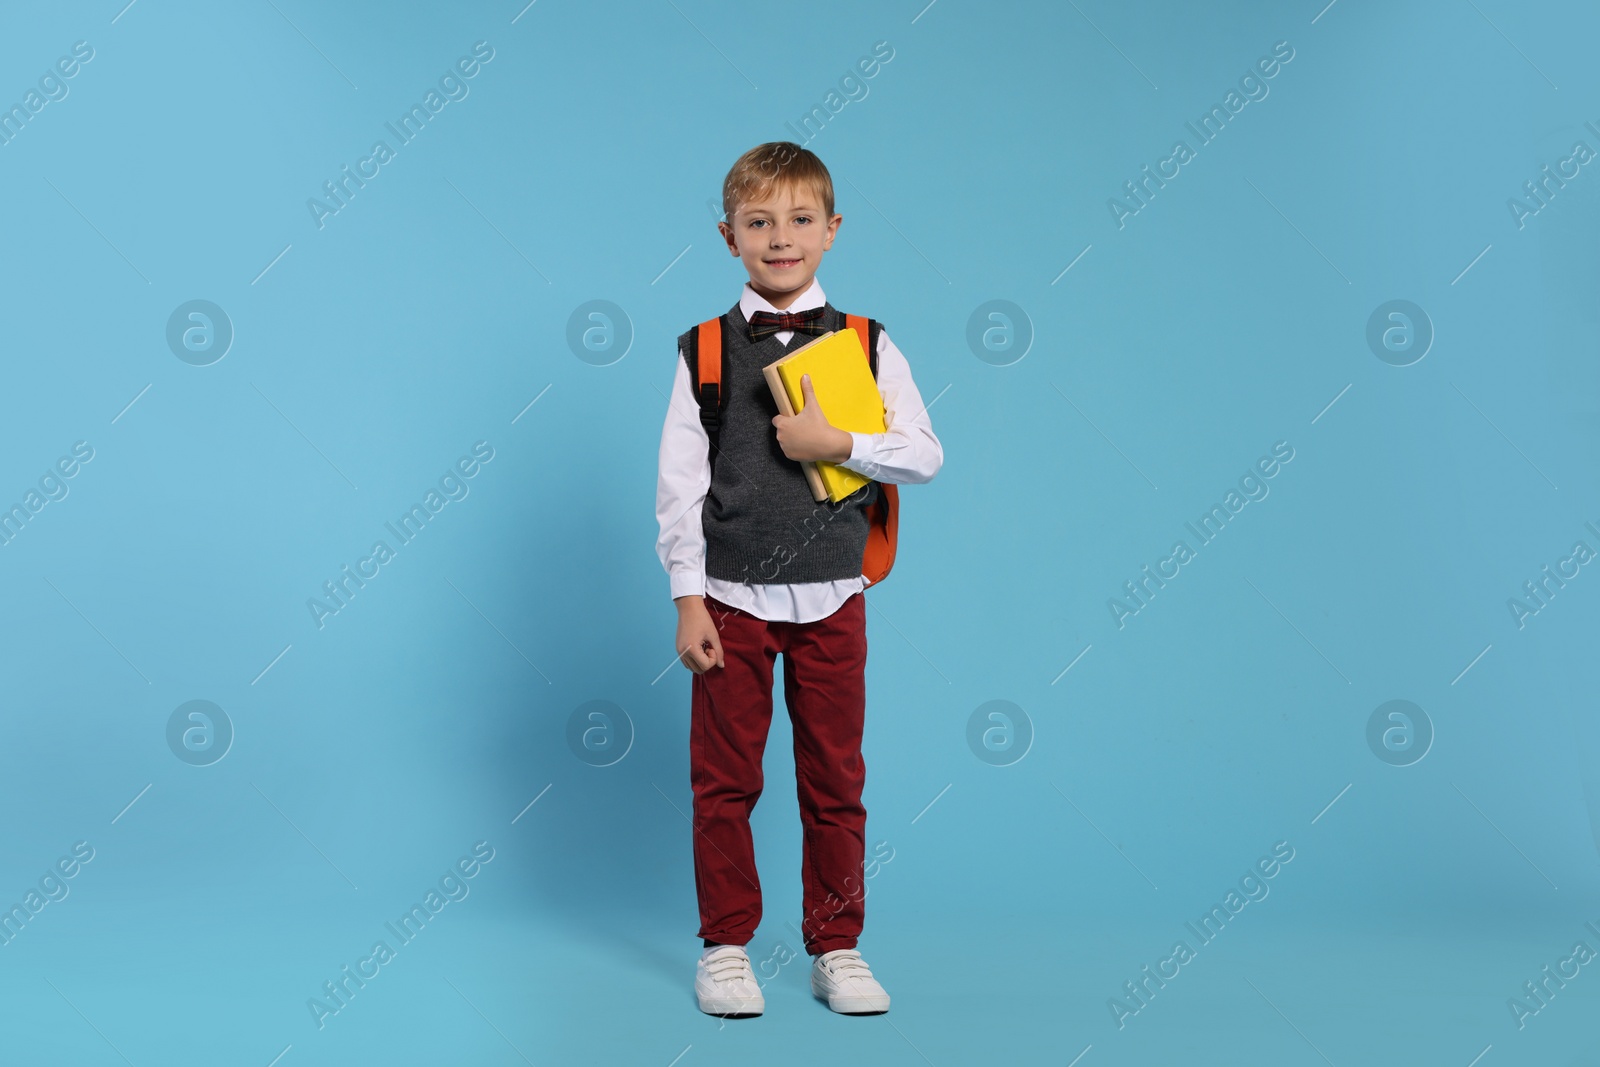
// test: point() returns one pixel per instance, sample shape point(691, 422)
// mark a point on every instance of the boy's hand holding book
point(809, 435)
point(838, 361)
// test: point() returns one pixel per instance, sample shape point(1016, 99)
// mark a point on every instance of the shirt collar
point(751, 301)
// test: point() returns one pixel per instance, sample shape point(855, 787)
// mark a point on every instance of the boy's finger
point(695, 657)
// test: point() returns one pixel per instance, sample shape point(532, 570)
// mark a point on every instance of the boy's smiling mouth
point(783, 264)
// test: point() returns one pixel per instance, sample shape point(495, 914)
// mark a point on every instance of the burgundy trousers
point(824, 688)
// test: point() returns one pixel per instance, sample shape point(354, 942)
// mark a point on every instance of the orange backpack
point(705, 358)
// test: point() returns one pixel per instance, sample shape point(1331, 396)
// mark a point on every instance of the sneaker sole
point(731, 1007)
point(845, 1005)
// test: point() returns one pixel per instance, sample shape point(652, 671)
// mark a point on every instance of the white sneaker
point(844, 980)
point(724, 983)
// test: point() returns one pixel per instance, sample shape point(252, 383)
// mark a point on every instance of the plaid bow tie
point(766, 323)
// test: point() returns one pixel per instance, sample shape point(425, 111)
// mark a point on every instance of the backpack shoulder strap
point(868, 330)
point(705, 375)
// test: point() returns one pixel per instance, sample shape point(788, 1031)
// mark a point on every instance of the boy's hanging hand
point(809, 435)
point(699, 645)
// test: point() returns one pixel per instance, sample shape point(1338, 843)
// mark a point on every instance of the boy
point(727, 528)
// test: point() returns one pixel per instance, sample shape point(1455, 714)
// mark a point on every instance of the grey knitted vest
point(761, 524)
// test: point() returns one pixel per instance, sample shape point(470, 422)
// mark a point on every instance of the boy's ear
point(727, 235)
point(833, 231)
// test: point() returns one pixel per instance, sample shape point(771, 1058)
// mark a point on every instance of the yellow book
point(842, 380)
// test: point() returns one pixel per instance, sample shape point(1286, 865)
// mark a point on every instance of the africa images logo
point(452, 84)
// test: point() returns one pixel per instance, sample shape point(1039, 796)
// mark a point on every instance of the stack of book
point(841, 380)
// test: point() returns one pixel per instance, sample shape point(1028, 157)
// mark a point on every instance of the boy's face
point(781, 240)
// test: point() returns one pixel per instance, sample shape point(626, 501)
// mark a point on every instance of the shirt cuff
point(687, 583)
point(860, 459)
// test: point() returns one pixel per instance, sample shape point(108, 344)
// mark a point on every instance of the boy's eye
point(802, 218)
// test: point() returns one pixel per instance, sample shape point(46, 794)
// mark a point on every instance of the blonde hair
point(776, 164)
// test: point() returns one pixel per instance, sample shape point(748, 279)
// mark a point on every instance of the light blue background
point(428, 314)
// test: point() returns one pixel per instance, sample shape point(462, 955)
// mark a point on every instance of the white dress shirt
point(907, 452)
